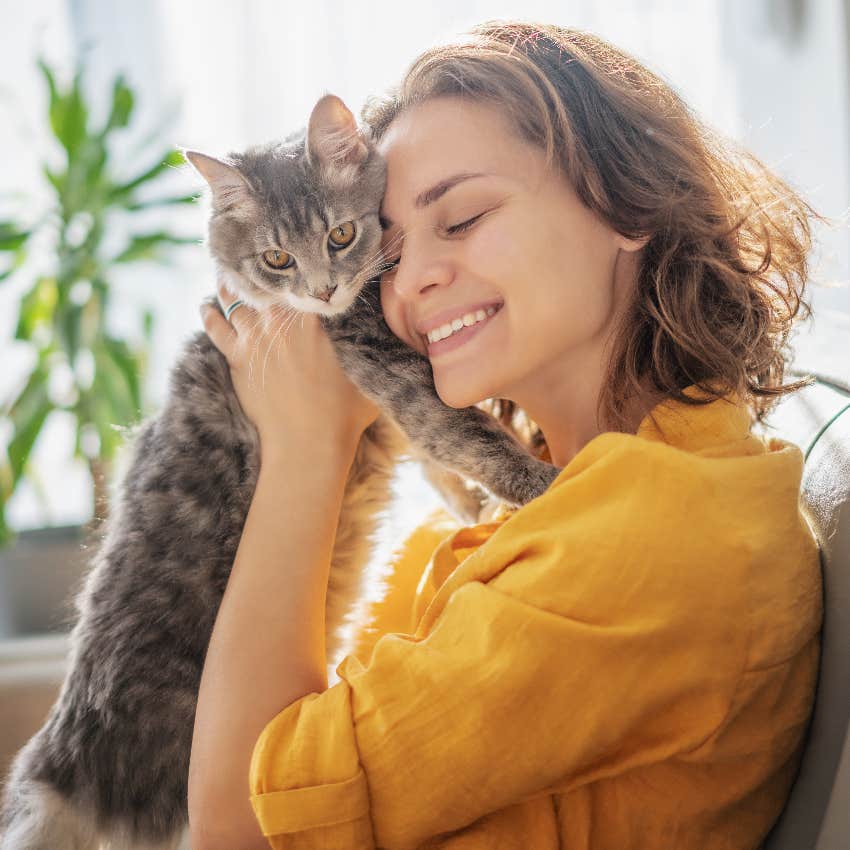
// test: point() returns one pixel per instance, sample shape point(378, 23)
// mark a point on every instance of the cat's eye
point(342, 235)
point(278, 259)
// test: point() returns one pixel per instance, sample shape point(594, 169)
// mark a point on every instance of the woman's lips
point(436, 320)
point(461, 337)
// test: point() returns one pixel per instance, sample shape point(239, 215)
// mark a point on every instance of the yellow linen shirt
point(626, 662)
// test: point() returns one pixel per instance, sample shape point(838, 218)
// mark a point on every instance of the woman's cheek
point(393, 310)
point(495, 253)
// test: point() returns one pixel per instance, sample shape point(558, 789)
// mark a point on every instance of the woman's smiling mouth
point(457, 332)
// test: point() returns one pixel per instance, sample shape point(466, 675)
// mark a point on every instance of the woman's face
point(478, 223)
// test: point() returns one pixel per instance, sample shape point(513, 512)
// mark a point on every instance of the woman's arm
point(267, 648)
point(268, 645)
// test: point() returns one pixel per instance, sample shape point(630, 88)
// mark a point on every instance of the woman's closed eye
point(390, 265)
point(464, 225)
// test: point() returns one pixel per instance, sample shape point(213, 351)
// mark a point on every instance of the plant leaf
point(53, 91)
point(113, 396)
point(122, 105)
point(25, 435)
point(57, 181)
point(76, 117)
point(27, 414)
point(147, 325)
point(68, 111)
point(171, 159)
point(7, 536)
point(103, 417)
point(161, 202)
point(38, 307)
point(6, 490)
point(47, 315)
point(11, 237)
point(146, 246)
point(129, 365)
point(92, 159)
point(69, 325)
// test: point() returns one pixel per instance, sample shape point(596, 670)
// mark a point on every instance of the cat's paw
point(530, 482)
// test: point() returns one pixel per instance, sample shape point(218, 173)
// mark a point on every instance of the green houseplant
point(62, 313)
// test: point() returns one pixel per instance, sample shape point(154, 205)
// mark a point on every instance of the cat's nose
point(326, 295)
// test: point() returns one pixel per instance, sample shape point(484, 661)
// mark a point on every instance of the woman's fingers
point(242, 317)
point(230, 335)
point(306, 382)
point(219, 330)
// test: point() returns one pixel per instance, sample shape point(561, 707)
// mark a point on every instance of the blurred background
point(101, 264)
point(772, 74)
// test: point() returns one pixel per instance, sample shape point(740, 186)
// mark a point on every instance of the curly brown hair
point(723, 272)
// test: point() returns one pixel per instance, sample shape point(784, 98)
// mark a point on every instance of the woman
point(628, 661)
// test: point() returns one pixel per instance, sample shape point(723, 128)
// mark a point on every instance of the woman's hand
point(288, 379)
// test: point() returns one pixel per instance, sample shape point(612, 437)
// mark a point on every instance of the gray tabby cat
point(295, 223)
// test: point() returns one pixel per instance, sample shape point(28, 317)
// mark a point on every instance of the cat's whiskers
point(375, 265)
point(290, 315)
point(363, 299)
point(253, 339)
point(368, 273)
point(360, 279)
point(377, 262)
point(382, 251)
point(275, 311)
point(253, 327)
point(289, 324)
point(292, 318)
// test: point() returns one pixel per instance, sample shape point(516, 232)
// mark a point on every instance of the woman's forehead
point(435, 140)
point(449, 126)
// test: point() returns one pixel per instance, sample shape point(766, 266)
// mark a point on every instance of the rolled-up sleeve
point(501, 702)
point(312, 741)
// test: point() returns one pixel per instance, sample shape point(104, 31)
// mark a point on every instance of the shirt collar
point(697, 427)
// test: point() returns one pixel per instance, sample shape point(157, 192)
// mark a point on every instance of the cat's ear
point(226, 181)
point(332, 136)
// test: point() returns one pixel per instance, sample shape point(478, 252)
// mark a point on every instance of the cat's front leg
point(473, 443)
point(464, 498)
point(466, 440)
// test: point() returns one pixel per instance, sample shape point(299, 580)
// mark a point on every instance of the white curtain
point(769, 73)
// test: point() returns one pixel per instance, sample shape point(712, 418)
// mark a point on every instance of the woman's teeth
point(455, 325)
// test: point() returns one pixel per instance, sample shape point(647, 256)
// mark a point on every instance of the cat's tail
point(36, 816)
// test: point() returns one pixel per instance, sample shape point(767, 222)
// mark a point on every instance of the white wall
point(791, 87)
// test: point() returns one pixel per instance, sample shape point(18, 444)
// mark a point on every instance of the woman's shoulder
point(683, 456)
point(691, 511)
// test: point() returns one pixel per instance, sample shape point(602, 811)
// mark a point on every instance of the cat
point(110, 764)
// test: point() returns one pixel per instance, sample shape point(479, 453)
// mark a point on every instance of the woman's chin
point(458, 396)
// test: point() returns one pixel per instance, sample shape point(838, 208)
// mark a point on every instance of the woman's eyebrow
point(429, 196)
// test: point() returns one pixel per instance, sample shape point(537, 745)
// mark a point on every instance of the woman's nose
point(420, 271)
